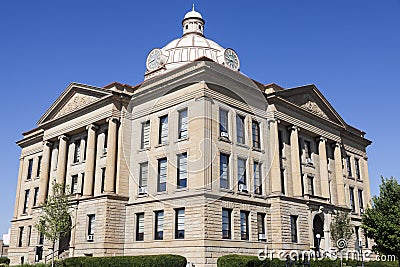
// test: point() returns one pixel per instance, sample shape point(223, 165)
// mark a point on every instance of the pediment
point(310, 99)
point(75, 97)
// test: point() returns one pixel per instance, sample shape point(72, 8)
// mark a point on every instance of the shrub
point(4, 261)
point(123, 261)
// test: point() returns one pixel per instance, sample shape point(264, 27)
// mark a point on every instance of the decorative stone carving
point(314, 108)
point(76, 102)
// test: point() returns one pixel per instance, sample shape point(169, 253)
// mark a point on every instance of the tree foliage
point(340, 227)
point(381, 221)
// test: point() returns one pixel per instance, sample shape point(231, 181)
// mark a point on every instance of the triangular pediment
point(310, 99)
point(75, 97)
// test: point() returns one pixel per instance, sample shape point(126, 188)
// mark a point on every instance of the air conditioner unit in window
point(243, 188)
point(142, 190)
point(262, 237)
point(309, 161)
point(90, 237)
point(361, 210)
point(104, 151)
point(224, 134)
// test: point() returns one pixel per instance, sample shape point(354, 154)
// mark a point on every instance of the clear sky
point(349, 49)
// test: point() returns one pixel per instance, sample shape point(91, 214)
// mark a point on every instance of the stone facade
point(248, 166)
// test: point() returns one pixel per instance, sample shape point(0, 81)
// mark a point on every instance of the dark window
point(103, 179)
point(244, 225)
point(182, 171)
point(223, 123)
point(20, 236)
point(352, 206)
point(86, 146)
point(29, 235)
point(258, 189)
point(310, 185)
point(143, 176)
point(357, 228)
point(281, 145)
point(41, 238)
point(242, 171)
point(357, 165)
point(293, 228)
point(360, 200)
point(261, 226)
point(91, 225)
point(255, 131)
point(163, 130)
point(77, 151)
point(30, 166)
point(162, 175)
point(226, 223)
point(348, 164)
point(283, 191)
point(240, 129)
point(180, 223)
point(224, 171)
point(74, 184)
point(307, 150)
point(366, 245)
point(105, 141)
point(159, 226)
point(39, 166)
point(145, 143)
point(35, 196)
point(140, 227)
point(26, 202)
point(183, 124)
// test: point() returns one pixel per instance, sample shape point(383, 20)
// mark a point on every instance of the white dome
point(193, 14)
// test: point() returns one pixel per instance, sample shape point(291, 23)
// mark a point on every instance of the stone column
point(365, 178)
point(295, 160)
point(90, 160)
point(323, 167)
point(17, 198)
point(62, 159)
point(339, 175)
point(111, 155)
point(275, 158)
point(45, 172)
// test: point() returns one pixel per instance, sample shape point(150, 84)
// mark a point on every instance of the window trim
point(163, 129)
point(139, 235)
point(183, 132)
point(244, 222)
point(294, 228)
point(255, 134)
point(228, 223)
point(240, 129)
point(145, 140)
point(179, 234)
point(180, 157)
point(164, 188)
point(222, 171)
point(159, 235)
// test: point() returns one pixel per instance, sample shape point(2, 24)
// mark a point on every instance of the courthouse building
point(198, 160)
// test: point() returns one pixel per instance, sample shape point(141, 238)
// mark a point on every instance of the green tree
point(381, 221)
point(341, 231)
point(55, 219)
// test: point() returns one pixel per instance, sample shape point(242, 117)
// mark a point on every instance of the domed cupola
point(190, 47)
point(193, 22)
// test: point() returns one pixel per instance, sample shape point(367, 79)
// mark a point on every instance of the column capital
point(321, 139)
point(337, 144)
point(92, 126)
point(293, 128)
point(273, 120)
point(47, 143)
point(115, 119)
point(63, 137)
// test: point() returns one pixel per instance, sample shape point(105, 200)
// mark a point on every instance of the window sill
point(351, 178)
point(360, 180)
point(182, 140)
point(77, 163)
point(260, 196)
point(225, 190)
point(144, 149)
point(242, 145)
point(161, 193)
point(183, 189)
point(257, 149)
point(161, 145)
point(243, 193)
point(224, 139)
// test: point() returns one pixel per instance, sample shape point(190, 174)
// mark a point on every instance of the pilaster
point(45, 172)
point(323, 167)
point(109, 185)
point(90, 160)
point(295, 161)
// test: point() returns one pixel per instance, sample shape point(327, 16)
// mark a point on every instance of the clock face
point(231, 59)
point(153, 60)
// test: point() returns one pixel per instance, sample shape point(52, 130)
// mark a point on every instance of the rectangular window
point(105, 142)
point(74, 184)
point(360, 200)
point(159, 226)
point(244, 225)
point(145, 143)
point(283, 191)
point(86, 146)
point(223, 123)
point(258, 189)
point(226, 223)
point(183, 124)
point(241, 171)
point(255, 132)
point(91, 225)
point(348, 165)
point(366, 241)
point(41, 239)
point(77, 151)
point(143, 177)
point(240, 129)
point(352, 206)
point(39, 166)
point(261, 226)
point(139, 226)
point(29, 235)
point(30, 166)
point(357, 165)
point(182, 171)
point(20, 236)
point(163, 130)
point(162, 175)
point(26, 202)
point(103, 179)
point(180, 223)
point(224, 171)
point(281, 145)
point(310, 185)
point(35, 196)
point(82, 182)
point(307, 150)
point(293, 228)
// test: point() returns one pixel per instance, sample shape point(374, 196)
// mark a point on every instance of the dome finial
point(193, 7)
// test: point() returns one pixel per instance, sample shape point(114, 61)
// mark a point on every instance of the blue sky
point(349, 49)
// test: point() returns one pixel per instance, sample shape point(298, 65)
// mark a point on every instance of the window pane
point(164, 130)
point(226, 224)
point(77, 152)
point(257, 178)
point(182, 170)
point(183, 124)
point(224, 171)
point(144, 172)
point(159, 227)
point(240, 129)
point(162, 175)
point(255, 127)
point(293, 226)
point(145, 134)
point(30, 166)
point(348, 163)
point(180, 223)
point(223, 121)
point(92, 220)
point(244, 225)
point(352, 206)
point(241, 171)
point(140, 227)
